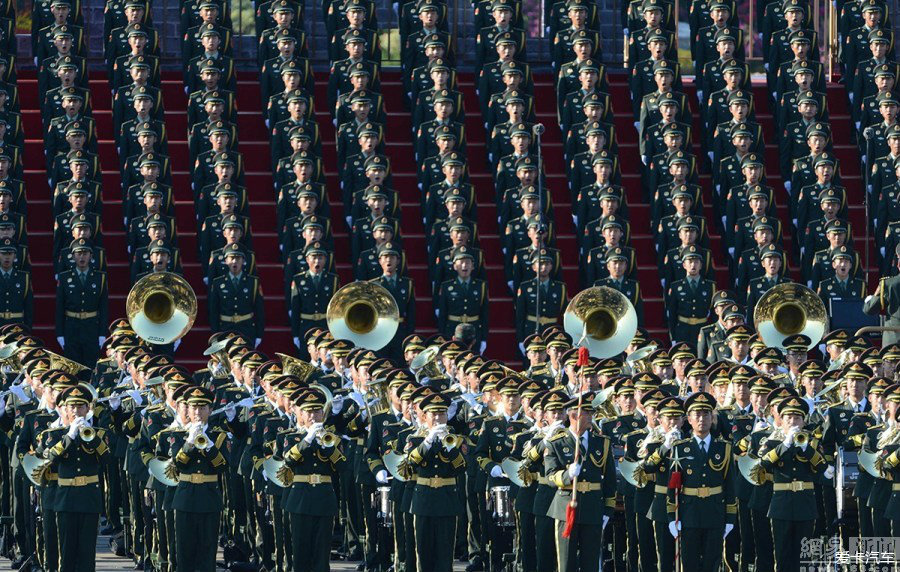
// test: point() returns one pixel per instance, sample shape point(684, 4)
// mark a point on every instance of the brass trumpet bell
point(787, 310)
point(161, 307)
point(364, 313)
point(425, 363)
point(604, 318)
point(295, 366)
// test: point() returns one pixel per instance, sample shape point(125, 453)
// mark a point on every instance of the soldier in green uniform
point(434, 461)
point(792, 455)
point(81, 307)
point(310, 293)
point(236, 299)
point(463, 300)
point(495, 443)
point(540, 301)
point(886, 299)
point(586, 482)
point(688, 299)
point(16, 297)
point(198, 460)
point(75, 451)
point(313, 457)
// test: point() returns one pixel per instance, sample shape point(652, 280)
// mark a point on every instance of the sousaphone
point(364, 313)
point(161, 307)
point(787, 310)
point(603, 319)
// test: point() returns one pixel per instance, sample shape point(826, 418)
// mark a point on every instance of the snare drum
point(502, 506)
point(384, 506)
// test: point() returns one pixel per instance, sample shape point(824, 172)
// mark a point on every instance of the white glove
point(256, 344)
point(336, 404)
point(430, 438)
point(497, 472)
point(313, 432)
point(829, 471)
point(574, 470)
point(20, 394)
point(728, 529)
point(115, 403)
point(230, 412)
point(100, 340)
point(760, 425)
point(674, 528)
point(668, 441)
point(789, 439)
point(61, 341)
point(482, 347)
point(381, 476)
point(135, 396)
point(297, 342)
point(73, 428)
point(605, 522)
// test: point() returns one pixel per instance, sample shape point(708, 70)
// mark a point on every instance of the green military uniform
point(76, 457)
point(197, 501)
point(81, 309)
point(312, 460)
point(794, 462)
point(310, 295)
point(688, 302)
point(705, 503)
point(236, 303)
point(886, 299)
point(463, 302)
point(596, 490)
point(434, 466)
point(16, 294)
point(539, 304)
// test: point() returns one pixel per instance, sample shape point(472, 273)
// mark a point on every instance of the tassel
point(675, 480)
point(584, 357)
point(570, 519)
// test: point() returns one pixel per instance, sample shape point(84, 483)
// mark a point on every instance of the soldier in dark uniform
point(76, 452)
point(589, 477)
point(434, 460)
point(313, 456)
point(842, 285)
point(771, 259)
point(495, 443)
point(236, 300)
point(793, 457)
point(540, 301)
point(886, 299)
point(688, 300)
point(616, 264)
point(403, 291)
point(16, 295)
point(81, 307)
point(463, 300)
point(310, 293)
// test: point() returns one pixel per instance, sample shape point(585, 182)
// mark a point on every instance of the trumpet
point(328, 439)
point(451, 441)
point(201, 442)
point(86, 432)
point(801, 438)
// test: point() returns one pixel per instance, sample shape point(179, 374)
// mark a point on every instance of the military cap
point(885, 98)
point(81, 394)
point(670, 406)
point(376, 162)
point(722, 297)
point(690, 251)
point(199, 396)
point(160, 246)
point(793, 5)
point(413, 342)
point(209, 65)
point(700, 401)
point(649, 5)
point(681, 350)
point(679, 157)
point(663, 66)
point(595, 128)
point(808, 97)
point(771, 250)
point(80, 244)
point(460, 253)
point(856, 370)
point(726, 34)
point(75, 127)
point(511, 67)
point(233, 250)
point(438, 64)
point(351, 36)
point(513, 96)
point(646, 381)
point(884, 70)
point(739, 332)
point(732, 66)
point(660, 358)
point(388, 249)
point(793, 405)
point(751, 159)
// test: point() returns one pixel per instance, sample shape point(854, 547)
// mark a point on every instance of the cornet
point(801, 438)
point(327, 439)
point(86, 432)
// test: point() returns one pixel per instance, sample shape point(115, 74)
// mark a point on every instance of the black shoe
point(476, 565)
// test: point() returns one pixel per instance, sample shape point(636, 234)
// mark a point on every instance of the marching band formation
point(606, 451)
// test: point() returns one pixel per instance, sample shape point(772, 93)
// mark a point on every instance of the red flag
point(675, 480)
point(584, 357)
point(570, 519)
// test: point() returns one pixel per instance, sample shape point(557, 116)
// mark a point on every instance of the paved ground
point(108, 562)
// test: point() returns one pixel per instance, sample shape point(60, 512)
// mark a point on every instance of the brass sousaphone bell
point(603, 319)
point(364, 313)
point(161, 307)
point(788, 310)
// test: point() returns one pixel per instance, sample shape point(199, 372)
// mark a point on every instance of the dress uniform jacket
point(430, 467)
point(688, 308)
point(237, 307)
point(538, 306)
point(81, 312)
point(78, 465)
point(309, 300)
point(596, 263)
point(631, 289)
point(758, 287)
point(886, 299)
point(459, 303)
point(596, 482)
point(16, 298)
point(704, 471)
point(404, 293)
point(790, 465)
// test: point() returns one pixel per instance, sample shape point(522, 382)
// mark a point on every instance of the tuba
point(295, 366)
point(161, 307)
point(364, 313)
point(638, 361)
point(787, 310)
point(603, 319)
point(377, 398)
point(425, 364)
